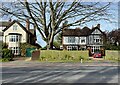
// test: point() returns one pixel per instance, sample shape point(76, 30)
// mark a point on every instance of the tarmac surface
point(37, 72)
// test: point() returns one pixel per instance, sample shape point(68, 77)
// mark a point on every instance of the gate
point(29, 52)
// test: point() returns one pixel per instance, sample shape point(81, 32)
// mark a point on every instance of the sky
point(104, 24)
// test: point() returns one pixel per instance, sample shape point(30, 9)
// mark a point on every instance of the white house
point(76, 39)
point(15, 34)
point(3, 25)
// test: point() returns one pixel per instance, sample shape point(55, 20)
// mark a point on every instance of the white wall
point(19, 30)
point(84, 39)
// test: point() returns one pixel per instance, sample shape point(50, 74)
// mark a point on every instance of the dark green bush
point(7, 54)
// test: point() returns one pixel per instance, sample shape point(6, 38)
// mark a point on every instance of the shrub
point(23, 47)
point(7, 55)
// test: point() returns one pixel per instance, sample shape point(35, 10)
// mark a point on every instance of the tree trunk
point(50, 42)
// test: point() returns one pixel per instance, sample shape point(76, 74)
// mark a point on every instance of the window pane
point(71, 39)
point(14, 27)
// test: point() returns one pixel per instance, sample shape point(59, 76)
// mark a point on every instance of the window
point(72, 47)
point(71, 39)
point(83, 41)
point(14, 27)
point(69, 47)
point(15, 50)
point(14, 38)
point(95, 49)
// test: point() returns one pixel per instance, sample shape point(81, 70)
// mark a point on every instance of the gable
point(96, 31)
point(15, 28)
point(19, 25)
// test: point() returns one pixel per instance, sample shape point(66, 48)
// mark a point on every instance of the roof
point(80, 32)
point(20, 26)
point(85, 31)
point(72, 32)
point(4, 23)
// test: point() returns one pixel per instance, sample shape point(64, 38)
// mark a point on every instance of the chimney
point(10, 20)
point(98, 25)
point(27, 24)
point(92, 26)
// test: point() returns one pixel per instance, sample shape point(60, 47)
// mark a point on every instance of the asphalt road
point(55, 73)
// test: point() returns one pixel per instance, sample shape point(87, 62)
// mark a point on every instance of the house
point(3, 25)
point(77, 39)
point(15, 33)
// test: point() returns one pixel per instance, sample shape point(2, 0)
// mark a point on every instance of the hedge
point(7, 54)
point(57, 55)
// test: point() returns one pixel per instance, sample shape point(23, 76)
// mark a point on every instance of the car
point(97, 55)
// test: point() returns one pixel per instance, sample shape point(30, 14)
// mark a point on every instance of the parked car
point(97, 55)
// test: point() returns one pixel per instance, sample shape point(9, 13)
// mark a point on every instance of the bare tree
point(49, 17)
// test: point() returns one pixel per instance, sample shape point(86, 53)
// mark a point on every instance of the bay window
point(14, 38)
point(71, 39)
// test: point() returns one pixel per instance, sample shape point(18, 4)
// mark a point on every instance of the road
point(59, 73)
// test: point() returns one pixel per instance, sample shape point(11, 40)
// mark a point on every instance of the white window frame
point(14, 38)
point(15, 50)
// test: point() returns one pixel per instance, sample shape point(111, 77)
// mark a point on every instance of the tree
point(113, 40)
point(49, 17)
point(114, 37)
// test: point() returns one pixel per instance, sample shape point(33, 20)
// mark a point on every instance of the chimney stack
point(98, 25)
point(27, 24)
point(10, 20)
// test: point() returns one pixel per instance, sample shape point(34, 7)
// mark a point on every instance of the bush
point(112, 47)
point(7, 55)
point(24, 46)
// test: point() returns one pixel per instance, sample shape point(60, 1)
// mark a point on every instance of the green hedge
point(112, 55)
point(56, 55)
point(6, 55)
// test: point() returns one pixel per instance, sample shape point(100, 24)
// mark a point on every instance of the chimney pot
point(98, 25)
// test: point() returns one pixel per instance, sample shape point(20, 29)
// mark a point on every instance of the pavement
point(23, 63)
point(36, 72)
